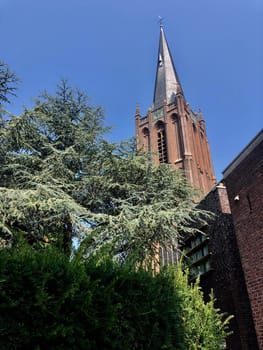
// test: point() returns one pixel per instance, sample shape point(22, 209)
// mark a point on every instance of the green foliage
point(43, 299)
point(143, 205)
point(205, 327)
point(50, 302)
point(59, 178)
point(8, 81)
point(43, 155)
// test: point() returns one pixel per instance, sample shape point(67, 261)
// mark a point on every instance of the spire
point(137, 112)
point(167, 83)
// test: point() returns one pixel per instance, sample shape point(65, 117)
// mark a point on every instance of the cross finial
point(161, 20)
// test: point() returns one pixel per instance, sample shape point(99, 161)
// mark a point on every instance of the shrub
point(50, 302)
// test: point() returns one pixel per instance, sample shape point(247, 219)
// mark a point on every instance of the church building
point(171, 130)
point(225, 257)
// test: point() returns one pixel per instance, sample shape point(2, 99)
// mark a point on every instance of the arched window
point(161, 142)
point(146, 139)
point(178, 136)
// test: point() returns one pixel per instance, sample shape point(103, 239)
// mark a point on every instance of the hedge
point(50, 302)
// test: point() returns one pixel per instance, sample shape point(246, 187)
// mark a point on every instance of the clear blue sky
point(108, 48)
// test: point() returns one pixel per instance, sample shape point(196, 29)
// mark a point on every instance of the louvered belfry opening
point(162, 143)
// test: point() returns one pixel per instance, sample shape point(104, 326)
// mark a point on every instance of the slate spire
point(166, 82)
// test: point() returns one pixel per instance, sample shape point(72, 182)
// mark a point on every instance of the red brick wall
point(245, 191)
point(226, 276)
point(189, 150)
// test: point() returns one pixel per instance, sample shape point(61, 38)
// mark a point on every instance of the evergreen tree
point(44, 154)
point(60, 178)
point(8, 86)
point(144, 205)
point(8, 83)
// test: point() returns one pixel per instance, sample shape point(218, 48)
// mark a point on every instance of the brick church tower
point(171, 131)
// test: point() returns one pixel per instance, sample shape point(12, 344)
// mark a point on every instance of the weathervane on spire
point(161, 20)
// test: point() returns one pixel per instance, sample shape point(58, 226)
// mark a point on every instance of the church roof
point(167, 82)
point(244, 153)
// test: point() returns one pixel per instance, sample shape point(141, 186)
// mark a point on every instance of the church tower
point(171, 131)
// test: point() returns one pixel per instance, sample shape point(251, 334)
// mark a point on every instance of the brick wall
point(186, 141)
point(244, 181)
point(226, 276)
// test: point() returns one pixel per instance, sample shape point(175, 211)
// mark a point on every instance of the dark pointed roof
point(167, 82)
